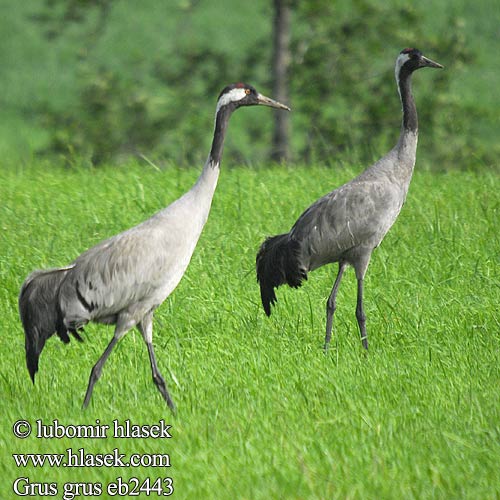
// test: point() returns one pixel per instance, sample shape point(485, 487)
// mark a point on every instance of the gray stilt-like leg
point(145, 326)
point(96, 370)
point(331, 305)
point(158, 379)
point(360, 315)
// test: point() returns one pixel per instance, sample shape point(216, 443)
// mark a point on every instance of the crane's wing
point(357, 213)
point(140, 266)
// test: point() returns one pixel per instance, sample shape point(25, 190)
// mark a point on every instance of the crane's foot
point(162, 387)
point(364, 341)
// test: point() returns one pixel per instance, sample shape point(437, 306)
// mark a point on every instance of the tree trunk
point(281, 62)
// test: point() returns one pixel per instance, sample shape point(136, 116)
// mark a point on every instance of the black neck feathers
point(410, 118)
point(221, 121)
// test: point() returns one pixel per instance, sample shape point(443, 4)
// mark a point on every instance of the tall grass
point(263, 412)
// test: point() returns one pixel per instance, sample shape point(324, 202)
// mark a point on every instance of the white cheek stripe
point(231, 96)
point(402, 58)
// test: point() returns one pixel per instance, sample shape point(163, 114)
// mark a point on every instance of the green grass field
point(263, 413)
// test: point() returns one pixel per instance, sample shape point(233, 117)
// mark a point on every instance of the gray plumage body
point(131, 273)
point(123, 279)
point(346, 224)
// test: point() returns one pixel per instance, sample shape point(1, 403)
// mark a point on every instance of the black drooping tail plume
point(40, 314)
point(278, 263)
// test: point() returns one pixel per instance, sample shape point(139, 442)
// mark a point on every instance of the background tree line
point(322, 57)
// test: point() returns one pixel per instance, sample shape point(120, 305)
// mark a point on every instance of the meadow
point(262, 411)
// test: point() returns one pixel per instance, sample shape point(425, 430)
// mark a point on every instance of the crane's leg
point(123, 325)
point(145, 326)
point(331, 304)
point(360, 315)
point(97, 369)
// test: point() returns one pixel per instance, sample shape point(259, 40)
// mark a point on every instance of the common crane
point(347, 224)
point(122, 280)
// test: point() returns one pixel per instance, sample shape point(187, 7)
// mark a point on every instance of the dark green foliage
point(343, 83)
point(343, 93)
point(59, 14)
point(192, 75)
point(114, 116)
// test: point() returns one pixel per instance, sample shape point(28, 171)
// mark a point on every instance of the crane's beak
point(429, 63)
point(266, 101)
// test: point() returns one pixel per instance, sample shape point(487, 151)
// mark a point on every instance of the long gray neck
point(207, 181)
point(406, 148)
point(196, 203)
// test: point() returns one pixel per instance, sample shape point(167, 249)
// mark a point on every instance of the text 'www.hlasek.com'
point(79, 458)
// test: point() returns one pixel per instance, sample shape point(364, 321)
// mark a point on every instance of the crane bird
point(347, 224)
point(122, 280)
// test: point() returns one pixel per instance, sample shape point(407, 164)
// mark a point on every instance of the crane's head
point(410, 60)
point(240, 94)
